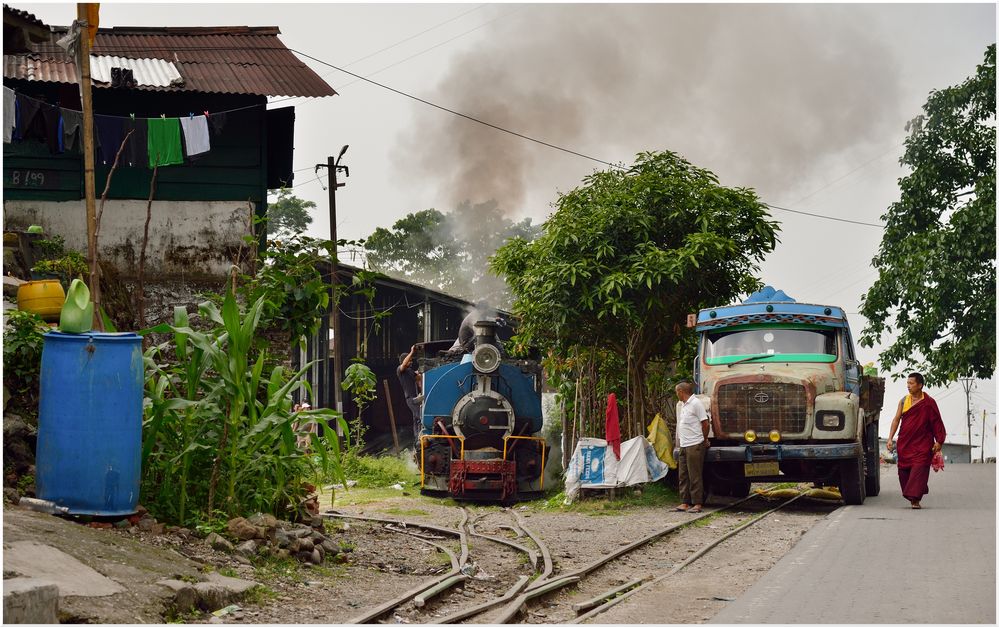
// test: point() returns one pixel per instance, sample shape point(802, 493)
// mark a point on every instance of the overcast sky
point(804, 103)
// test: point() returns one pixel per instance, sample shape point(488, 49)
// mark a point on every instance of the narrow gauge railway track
point(506, 605)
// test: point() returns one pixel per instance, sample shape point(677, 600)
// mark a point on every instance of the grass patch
point(399, 511)
point(270, 569)
point(259, 595)
point(381, 472)
point(652, 495)
point(707, 520)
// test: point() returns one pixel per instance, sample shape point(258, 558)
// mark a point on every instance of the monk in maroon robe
point(922, 434)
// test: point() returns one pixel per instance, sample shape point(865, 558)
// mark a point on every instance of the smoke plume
point(763, 95)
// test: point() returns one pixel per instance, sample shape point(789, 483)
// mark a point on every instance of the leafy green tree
point(628, 255)
point(937, 281)
point(288, 214)
point(448, 252)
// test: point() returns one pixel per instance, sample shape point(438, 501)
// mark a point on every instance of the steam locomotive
point(481, 417)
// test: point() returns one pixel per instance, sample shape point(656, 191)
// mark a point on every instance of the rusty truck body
point(787, 397)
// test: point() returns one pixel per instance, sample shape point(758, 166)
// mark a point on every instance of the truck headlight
point(775, 436)
point(830, 420)
point(750, 436)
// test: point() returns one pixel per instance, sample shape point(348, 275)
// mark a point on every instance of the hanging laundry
point(195, 135)
point(111, 131)
point(28, 124)
point(217, 122)
point(8, 114)
point(72, 124)
point(137, 151)
point(164, 142)
point(52, 116)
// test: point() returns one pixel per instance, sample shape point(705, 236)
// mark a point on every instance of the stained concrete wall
point(187, 240)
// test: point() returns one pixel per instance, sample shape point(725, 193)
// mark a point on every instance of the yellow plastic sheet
point(661, 441)
point(830, 493)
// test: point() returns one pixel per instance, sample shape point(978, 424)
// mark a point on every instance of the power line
point(819, 215)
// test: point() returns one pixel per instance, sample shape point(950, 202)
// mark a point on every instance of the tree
point(936, 263)
point(448, 252)
point(288, 214)
point(628, 255)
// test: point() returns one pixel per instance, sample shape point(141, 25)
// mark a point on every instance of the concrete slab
point(30, 600)
point(71, 576)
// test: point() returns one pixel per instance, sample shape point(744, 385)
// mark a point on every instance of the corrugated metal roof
point(230, 60)
point(24, 15)
point(147, 72)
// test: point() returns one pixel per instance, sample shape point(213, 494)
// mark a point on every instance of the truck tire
point(872, 481)
point(739, 489)
point(851, 481)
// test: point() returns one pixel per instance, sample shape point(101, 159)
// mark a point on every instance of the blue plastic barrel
point(90, 422)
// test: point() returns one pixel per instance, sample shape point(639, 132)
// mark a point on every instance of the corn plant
point(217, 429)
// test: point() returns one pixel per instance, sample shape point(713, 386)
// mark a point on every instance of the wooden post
point(89, 187)
point(391, 412)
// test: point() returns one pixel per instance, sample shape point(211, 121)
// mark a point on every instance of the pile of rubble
point(263, 534)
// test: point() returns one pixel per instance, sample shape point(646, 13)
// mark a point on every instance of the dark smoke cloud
point(763, 95)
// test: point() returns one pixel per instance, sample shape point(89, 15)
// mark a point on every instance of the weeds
point(398, 511)
point(652, 495)
point(380, 472)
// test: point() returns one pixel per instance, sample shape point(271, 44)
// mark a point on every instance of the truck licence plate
point(762, 469)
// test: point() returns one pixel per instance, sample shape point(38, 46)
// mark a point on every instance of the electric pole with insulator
point(968, 384)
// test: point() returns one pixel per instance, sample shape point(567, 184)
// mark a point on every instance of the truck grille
point(762, 407)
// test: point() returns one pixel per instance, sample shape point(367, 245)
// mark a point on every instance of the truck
point(787, 398)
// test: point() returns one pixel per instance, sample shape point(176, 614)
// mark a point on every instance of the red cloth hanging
point(612, 428)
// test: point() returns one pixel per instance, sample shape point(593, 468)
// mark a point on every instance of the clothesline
point(132, 117)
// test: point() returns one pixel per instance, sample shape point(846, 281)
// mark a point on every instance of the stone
point(330, 547)
point(282, 538)
point(282, 553)
point(219, 591)
point(305, 544)
point(316, 557)
point(242, 529)
point(158, 529)
point(30, 600)
point(219, 543)
point(124, 523)
point(10, 494)
point(10, 285)
point(242, 560)
point(146, 523)
point(315, 536)
point(41, 561)
point(185, 597)
point(300, 532)
point(247, 549)
point(263, 520)
point(304, 556)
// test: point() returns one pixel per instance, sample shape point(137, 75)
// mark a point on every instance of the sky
point(804, 103)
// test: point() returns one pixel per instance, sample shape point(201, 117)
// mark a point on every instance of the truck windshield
point(782, 344)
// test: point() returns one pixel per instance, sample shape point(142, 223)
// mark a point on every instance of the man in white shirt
point(692, 435)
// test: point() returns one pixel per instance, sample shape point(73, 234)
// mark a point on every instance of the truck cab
point(787, 397)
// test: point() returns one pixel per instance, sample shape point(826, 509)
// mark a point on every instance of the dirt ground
point(377, 564)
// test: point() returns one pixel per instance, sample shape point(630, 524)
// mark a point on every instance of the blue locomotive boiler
point(481, 417)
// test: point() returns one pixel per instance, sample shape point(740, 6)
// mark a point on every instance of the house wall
point(187, 240)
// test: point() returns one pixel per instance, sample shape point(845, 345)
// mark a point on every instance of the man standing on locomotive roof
point(921, 436)
point(692, 429)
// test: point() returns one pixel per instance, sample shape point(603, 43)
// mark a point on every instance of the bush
point(23, 339)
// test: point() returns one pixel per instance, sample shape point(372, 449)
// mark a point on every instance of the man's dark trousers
point(691, 467)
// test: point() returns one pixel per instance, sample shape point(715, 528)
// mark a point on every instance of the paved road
point(885, 563)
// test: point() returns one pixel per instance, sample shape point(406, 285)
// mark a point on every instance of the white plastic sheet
point(593, 465)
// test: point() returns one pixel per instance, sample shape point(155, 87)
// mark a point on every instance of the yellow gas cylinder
point(44, 298)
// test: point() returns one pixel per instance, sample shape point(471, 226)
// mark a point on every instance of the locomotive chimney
point(485, 332)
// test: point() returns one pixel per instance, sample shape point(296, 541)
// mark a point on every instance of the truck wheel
point(739, 489)
point(872, 482)
point(851, 481)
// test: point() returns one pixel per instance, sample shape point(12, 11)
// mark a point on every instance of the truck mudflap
point(780, 452)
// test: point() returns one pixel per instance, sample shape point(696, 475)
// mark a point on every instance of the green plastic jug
point(77, 314)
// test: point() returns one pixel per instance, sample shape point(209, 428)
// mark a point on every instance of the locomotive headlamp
point(486, 358)
point(750, 436)
point(775, 436)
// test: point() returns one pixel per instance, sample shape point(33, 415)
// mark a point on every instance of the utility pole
point(968, 384)
point(333, 166)
point(83, 13)
point(982, 452)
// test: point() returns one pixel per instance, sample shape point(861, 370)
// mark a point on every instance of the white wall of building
point(187, 240)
